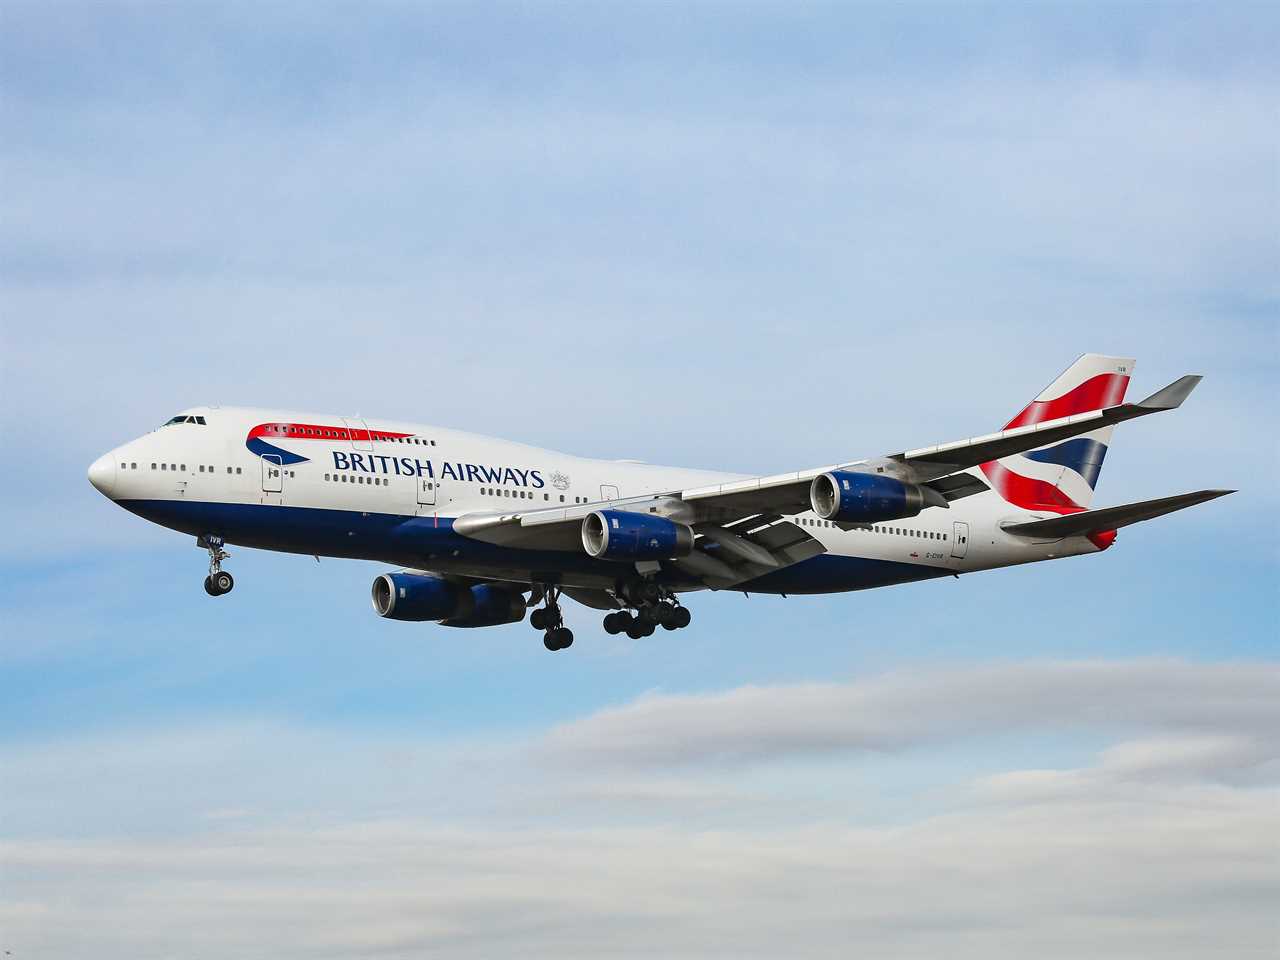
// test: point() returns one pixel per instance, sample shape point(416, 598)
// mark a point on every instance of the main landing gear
point(218, 581)
point(651, 613)
point(549, 619)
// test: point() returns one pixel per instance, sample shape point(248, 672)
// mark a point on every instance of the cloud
point(626, 833)
point(1108, 880)
point(905, 710)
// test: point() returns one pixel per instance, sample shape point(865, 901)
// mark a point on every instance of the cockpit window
point(185, 419)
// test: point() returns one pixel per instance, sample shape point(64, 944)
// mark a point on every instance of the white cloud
point(904, 710)
point(262, 839)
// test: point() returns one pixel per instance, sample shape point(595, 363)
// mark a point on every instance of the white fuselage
point(348, 487)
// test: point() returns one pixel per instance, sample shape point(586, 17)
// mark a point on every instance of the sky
point(753, 237)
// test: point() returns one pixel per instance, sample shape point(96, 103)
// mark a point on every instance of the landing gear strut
point(549, 619)
point(218, 581)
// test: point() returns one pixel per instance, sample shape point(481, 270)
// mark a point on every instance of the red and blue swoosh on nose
point(307, 432)
point(1081, 454)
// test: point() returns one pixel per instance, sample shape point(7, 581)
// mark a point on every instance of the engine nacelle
point(622, 535)
point(868, 498)
point(413, 596)
point(491, 605)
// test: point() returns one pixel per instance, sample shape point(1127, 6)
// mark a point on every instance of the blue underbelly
point(414, 541)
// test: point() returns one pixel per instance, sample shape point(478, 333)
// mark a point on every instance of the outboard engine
point(417, 597)
point(848, 497)
point(623, 535)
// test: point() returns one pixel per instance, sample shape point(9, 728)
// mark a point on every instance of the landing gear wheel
point(667, 616)
point(538, 619)
point(558, 639)
point(616, 622)
point(639, 628)
point(222, 582)
point(209, 588)
point(681, 617)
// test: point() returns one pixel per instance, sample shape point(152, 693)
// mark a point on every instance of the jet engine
point(622, 535)
point(850, 497)
point(413, 596)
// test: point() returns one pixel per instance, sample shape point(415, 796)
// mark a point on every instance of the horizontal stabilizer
point(1111, 518)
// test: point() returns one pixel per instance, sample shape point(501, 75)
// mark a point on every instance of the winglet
point(1171, 397)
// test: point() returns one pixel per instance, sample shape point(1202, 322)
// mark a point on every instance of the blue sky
point(748, 237)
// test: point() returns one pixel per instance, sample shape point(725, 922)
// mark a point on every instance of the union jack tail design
point(1060, 478)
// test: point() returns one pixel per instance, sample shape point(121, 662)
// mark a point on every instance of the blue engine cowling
point(413, 596)
point(622, 535)
point(491, 605)
point(868, 498)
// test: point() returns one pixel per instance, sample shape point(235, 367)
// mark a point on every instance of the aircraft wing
point(741, 526)
point(937, 466)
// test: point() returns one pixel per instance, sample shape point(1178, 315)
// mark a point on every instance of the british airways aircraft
point(485, 530)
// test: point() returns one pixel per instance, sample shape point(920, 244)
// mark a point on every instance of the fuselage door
point(426, 491)
point(608, 491)
point(358, 434)
point(272, 474)
point(959, 538)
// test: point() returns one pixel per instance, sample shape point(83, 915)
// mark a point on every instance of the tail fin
point(1060, 478)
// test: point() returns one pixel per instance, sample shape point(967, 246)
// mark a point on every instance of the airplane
point(485, 531)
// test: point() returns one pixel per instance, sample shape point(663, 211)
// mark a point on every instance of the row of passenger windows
point(894, 531)
point(181, 467)
point(356, 478)
point(523, 494)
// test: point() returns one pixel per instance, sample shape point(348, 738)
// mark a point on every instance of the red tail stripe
point(1028, 492)
point(1104, 390)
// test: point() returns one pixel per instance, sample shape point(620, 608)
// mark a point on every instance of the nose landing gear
point(556, 635)
point(218, 581)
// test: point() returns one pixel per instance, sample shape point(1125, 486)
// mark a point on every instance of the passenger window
point(164, 466)
point(184, 468)
point(133, 466)
point(238, 470)
point(562, 498)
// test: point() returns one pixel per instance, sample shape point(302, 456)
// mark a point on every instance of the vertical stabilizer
point(1061, 477)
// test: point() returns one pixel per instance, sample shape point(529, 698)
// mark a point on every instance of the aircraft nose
point(102, 474)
